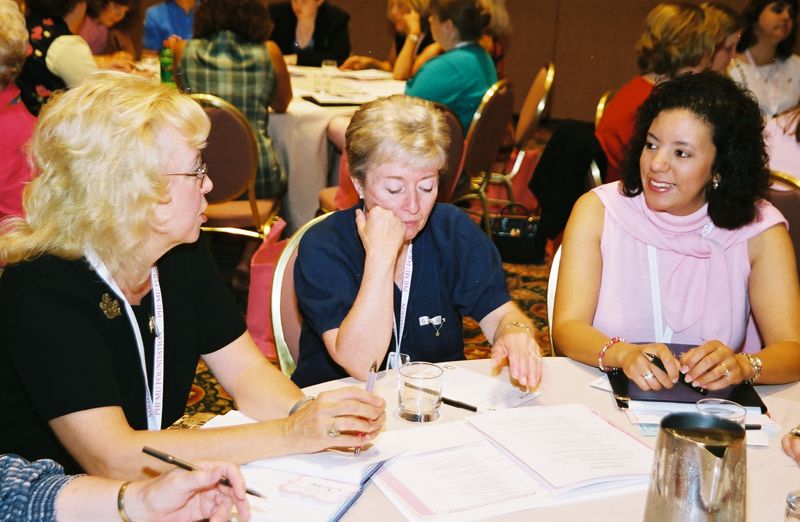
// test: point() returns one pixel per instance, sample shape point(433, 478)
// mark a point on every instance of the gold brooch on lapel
point(110, 306)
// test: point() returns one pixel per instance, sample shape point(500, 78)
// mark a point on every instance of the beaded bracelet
point(299, 404)
point(121, 502)
point(608, 344)
point(756, 365)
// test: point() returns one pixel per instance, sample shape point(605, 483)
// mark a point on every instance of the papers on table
point(530, 457)
point(486, 393)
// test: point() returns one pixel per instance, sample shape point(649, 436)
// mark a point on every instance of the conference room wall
point(590, 41)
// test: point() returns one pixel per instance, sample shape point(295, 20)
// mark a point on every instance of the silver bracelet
point(299, 404)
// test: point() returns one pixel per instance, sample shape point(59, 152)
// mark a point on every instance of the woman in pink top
point(684, 250)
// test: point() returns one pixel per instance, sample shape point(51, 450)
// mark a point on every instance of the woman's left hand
point(791, 445)
point(712, 365)
point(523, 356)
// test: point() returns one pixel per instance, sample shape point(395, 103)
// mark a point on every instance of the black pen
point(459, 404)
point(449, 402)
point(653, 358)
point(752, 426)
point(175, 461)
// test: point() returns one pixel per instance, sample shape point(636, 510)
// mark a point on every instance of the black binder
point(626, 391)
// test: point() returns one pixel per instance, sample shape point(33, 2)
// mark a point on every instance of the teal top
point(458, 78)
point(241, 73)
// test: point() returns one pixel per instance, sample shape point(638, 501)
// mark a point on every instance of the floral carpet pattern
point(527, 285)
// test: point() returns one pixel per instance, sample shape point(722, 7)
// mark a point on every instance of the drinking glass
point(792, 513)
point(396, 360)
point(323, 79)
point(723, 409)
point(420, 391)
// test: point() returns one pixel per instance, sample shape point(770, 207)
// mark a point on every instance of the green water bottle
point(167, 58)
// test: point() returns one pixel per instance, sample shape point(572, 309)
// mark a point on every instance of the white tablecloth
point(770, 473)
point(300, 138)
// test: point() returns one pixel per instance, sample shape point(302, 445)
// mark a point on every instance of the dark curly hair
point(247, 18)
point(736, 131)
point(95, 7)
point(752, 12)
point(55, 8)
point(468, 16)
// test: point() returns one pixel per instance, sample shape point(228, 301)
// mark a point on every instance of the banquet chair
point(784, 193)
point(286, 318)
point(552, 281)
point(232, 157)
point(533, 108)
point(605, 99)
point(483, 141)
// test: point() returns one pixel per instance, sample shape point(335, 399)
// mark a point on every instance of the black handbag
point(514, 232)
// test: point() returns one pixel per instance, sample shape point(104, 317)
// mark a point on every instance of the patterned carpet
point(526, 283)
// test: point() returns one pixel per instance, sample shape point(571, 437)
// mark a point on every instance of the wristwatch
point(795, 432)
point(414, 38)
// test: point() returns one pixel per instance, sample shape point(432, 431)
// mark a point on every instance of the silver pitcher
point(699, 470)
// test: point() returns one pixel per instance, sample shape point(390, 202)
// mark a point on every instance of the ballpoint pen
point(373, 372)
point(450, 402)
point(188, 466)
point(653, 358)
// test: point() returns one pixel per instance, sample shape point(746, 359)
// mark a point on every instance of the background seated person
point(766, 64)
point(675, 41)
point(40, 491)
point(398, 271)
point(461, 75)
point(107, 43)
point(684, 249)
point(783, 142)
point(166, 24)
point(108, 256)
point(310, 31)
point(724, 26)
point(412, 36)
point(15, 120)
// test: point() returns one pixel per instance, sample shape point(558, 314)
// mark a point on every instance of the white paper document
point(569, 446)
point(484, 392)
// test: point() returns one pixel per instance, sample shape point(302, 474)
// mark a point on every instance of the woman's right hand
point(380, 231)
point(413, 25)
point(342, 418)
point(638, 368)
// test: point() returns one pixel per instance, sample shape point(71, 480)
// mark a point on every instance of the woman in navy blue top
point(397, 272)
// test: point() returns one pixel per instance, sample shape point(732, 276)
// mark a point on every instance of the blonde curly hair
point(13, 41)
point(97, 169)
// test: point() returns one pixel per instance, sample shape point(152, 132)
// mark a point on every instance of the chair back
point(286, 319)
point(785, 195)
point(231, 152)
point(552, 281)
point(601, 106)
point(455, 151)
point(485, 134)
point(534, 105)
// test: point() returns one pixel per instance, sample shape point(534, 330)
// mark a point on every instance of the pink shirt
point(95, 34)
point(17, 124)
point(702, 272)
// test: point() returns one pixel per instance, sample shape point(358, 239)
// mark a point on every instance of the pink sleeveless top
point(700, 292)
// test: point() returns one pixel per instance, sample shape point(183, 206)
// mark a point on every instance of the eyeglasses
point(199, 173)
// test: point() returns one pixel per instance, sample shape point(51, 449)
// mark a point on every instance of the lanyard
point(407, 270)
point(154, 403)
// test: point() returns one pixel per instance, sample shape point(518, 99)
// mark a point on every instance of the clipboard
point(626, 391)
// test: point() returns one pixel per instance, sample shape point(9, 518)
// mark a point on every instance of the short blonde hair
point(396, 129)
point(13, 41)
point(721, 21)
point(97, 169)
point(675, 37)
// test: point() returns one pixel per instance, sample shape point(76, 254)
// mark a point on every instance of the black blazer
point(331, 40)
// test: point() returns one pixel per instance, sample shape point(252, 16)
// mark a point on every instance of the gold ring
point(725, 370)
point(332, 431)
